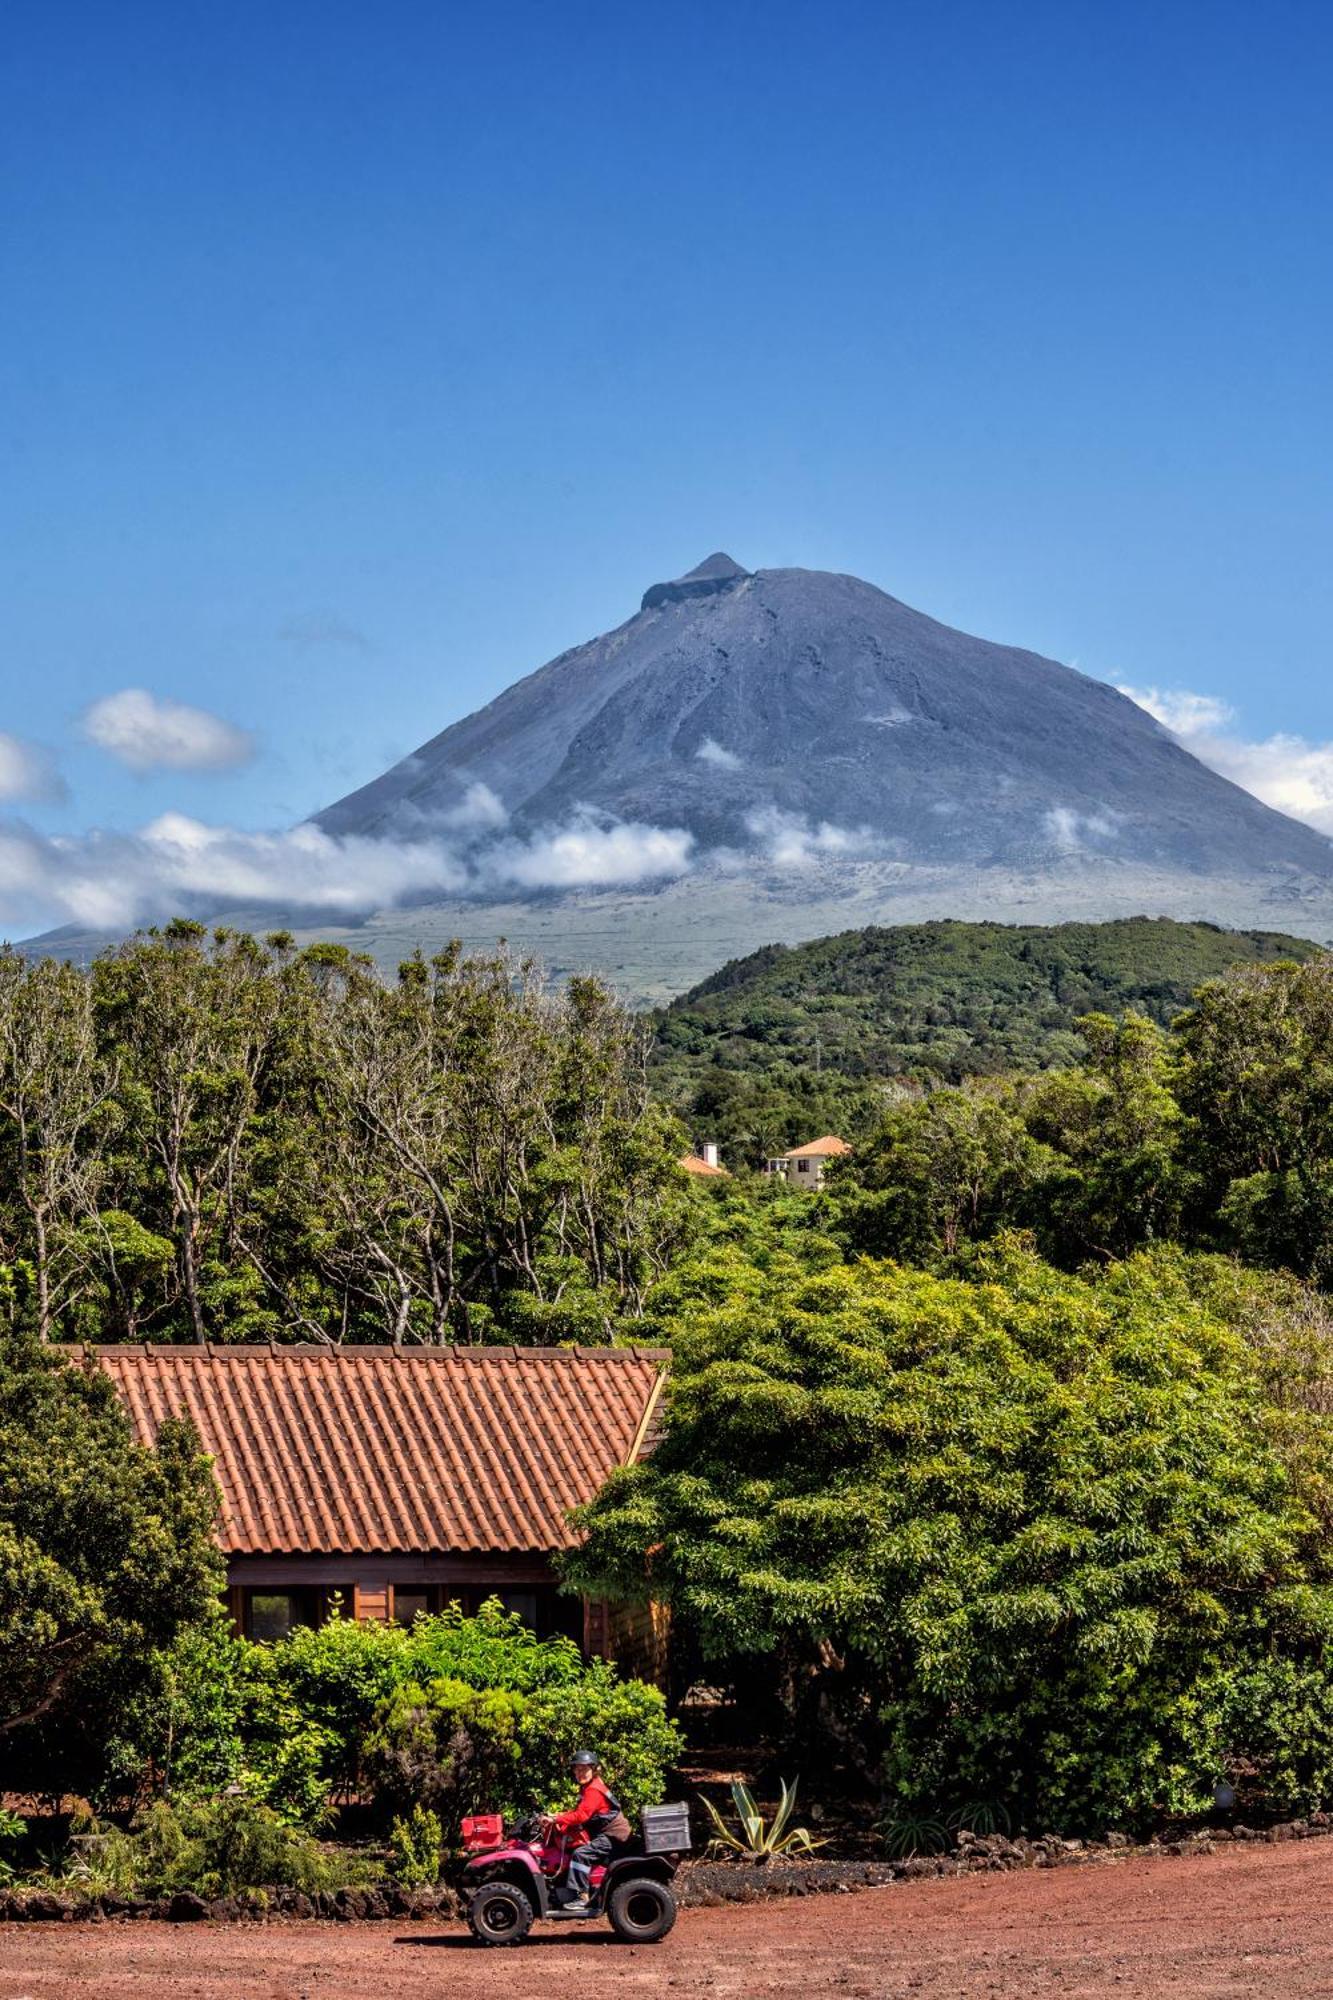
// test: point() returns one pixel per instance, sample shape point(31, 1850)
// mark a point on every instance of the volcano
point(768, 756)
point(745, 706)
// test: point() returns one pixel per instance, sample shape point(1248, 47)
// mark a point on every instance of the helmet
point(585, 1757)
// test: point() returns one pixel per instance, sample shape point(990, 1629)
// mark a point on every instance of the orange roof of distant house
point(694, 1165)
point(819, 1149)
point(360, 1449)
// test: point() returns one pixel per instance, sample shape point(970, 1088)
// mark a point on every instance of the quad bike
point(511, 1878)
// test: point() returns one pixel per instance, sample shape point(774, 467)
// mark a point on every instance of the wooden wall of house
point(637, 1637)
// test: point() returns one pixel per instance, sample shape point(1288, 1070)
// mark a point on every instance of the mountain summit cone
point(804, 713)
point(768, 756)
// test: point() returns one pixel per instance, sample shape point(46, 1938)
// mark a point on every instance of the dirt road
point(1245, 1921)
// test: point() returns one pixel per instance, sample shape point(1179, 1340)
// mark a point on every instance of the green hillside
point(793, 1039)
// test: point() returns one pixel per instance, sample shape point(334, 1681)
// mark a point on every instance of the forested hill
point(787, 1040)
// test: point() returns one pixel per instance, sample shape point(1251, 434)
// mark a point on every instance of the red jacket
point(595, 1802)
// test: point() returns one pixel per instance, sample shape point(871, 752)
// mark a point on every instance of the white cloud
point(1180, 711)
point(792, 840)
point(893, 719)
point(1287, 772)
point(585, 854)
point(112, 881)
point(150, 734)
point(27, 771)
point(1071, 831)
point(711, 752)
point(478, 811)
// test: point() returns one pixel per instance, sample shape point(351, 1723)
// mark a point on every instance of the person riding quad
point(598, 1817)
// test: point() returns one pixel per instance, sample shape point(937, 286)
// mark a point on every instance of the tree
point(998, 1538)
point(106, 1545)
point(55, 1086)
point(1115, 1124)
point(196, 1023)
point(1256, 1084)
point(499, 1158)
point(941, 1171)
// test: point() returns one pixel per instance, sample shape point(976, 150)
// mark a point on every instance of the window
point(803, 1166)
point(523, 1604)
point(273, 1613)
point(410, 1604)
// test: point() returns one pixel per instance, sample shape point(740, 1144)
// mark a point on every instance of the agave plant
point(757, 1842)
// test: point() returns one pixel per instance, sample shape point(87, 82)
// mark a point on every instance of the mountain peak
point(719, 565)
point(808, 717)
point(716, 572)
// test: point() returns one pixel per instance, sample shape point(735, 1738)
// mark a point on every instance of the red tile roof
point(369, 1449)
point(694, 1165)
point(818, 1149)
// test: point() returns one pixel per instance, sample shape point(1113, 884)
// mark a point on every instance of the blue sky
point(355, 360)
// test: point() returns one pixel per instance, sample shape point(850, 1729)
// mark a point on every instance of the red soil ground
point(1244, 1921)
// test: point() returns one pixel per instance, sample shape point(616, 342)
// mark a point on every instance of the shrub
point(451, 1748)
point(102, 1859)
point(451, 1713)
point(238, 1843)
point(416, 1849)
point(494, 1649)
point(502, 1741)
point(335, 1677)
point(625, 1721)
point(12, 1831)
point(216, 1848)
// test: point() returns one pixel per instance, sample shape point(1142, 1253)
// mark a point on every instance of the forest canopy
point(213, 1137)
point(795, 1040)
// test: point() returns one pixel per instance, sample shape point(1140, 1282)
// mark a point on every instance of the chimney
point(708, 1153)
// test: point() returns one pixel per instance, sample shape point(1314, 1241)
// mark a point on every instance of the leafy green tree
point(1256, 1085)
point(998, 1537)
point(194, 1023)
point(500, 1160)
point(55, 1115)
point(941, 1171)
point(214, 1136)
point(106, 1546)
point(1115, 1127)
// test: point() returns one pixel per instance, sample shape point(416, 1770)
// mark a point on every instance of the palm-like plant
point(911, 1834)
point(755, 1840)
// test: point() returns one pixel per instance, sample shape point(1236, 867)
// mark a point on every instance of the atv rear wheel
point(641, 1910)
point(499, 1913)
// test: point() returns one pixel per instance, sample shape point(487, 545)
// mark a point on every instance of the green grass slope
point(793, 1039)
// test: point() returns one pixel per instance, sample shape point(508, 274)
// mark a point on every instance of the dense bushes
point(1015, 1537)
point(217, 1847)
point(451, 1715)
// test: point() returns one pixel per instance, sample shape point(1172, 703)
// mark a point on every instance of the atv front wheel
point(641, 1910)
point(499, 1913)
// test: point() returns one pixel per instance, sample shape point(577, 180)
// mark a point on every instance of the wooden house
point(398, 1480)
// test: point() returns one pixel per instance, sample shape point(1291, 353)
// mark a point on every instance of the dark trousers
point(584, 1859)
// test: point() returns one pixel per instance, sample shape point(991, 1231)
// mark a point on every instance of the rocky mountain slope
point(755, 710)
point(766, 757)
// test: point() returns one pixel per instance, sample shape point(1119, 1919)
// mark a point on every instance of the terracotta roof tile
point(694, 1165)
point(818, 1149)
point(370, 1449)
